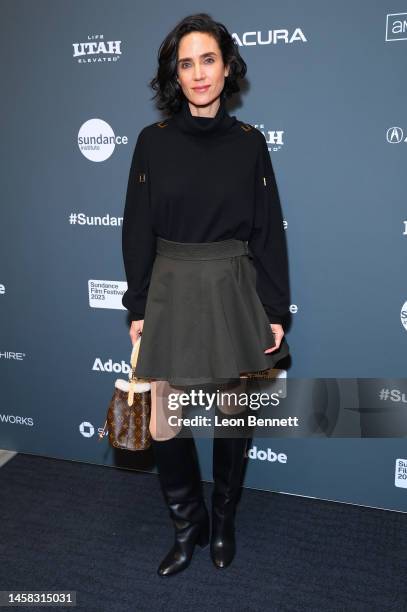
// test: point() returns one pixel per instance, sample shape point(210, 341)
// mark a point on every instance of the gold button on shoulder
point(161, 124)
point(246, 127)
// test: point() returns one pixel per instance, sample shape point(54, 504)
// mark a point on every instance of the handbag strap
point(133, 379)
point(135, 352)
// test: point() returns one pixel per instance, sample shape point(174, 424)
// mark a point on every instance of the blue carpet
point(103, 531)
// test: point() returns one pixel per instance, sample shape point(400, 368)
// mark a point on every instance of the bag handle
point(133, 379)
point(135, 352)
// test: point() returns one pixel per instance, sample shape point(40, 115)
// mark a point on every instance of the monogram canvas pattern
point(128, 426)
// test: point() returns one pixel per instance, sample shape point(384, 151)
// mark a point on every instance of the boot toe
point(222, 561)
point(222, 555)
point(170, 570)
point(172, 563)
point(180, 555)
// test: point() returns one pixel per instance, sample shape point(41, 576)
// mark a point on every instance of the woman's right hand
point(136, 329)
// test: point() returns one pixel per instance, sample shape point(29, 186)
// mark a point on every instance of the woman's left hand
point(278, 332)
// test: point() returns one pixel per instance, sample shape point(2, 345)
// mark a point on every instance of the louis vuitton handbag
point(129, 411)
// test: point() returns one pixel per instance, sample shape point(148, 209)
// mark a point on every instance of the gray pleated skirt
point(204, 321)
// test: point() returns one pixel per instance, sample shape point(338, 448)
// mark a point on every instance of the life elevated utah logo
point(96, 49)
point(97, 140)
point(274, 138)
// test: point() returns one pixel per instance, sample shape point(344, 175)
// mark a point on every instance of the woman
point(206, 265)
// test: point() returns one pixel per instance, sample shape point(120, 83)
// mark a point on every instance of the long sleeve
point(267, 242)
point(138, 238)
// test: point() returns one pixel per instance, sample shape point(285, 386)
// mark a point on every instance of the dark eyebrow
point(186, 59)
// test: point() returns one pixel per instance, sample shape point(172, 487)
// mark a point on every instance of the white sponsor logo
point(274, 138)
point(2, 289)
point(16, 419)
point(266, 455)
point(269, 37)
point(12, 355)
point(86, 429)
point(96, 50)
point(97, 140)
point(106, 294)
point(396, 26)
point(400, 476)
point(403, 315)
point(110, 366)
point(395, 135)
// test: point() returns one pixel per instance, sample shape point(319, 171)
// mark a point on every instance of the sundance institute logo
point(97, 140)
point(403, 315)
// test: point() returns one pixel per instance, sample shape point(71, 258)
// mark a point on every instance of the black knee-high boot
point(228, 462)
point(180, 479)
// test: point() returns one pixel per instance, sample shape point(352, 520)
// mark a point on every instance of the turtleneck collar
point(204, 126)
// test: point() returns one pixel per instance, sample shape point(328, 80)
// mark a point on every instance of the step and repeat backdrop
point(326, 85)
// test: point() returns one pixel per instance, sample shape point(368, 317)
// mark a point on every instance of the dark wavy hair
point(169, 93)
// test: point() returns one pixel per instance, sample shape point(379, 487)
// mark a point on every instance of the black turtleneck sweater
point(204, 179)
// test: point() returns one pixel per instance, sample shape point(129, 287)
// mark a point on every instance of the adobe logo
point(266, 455)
